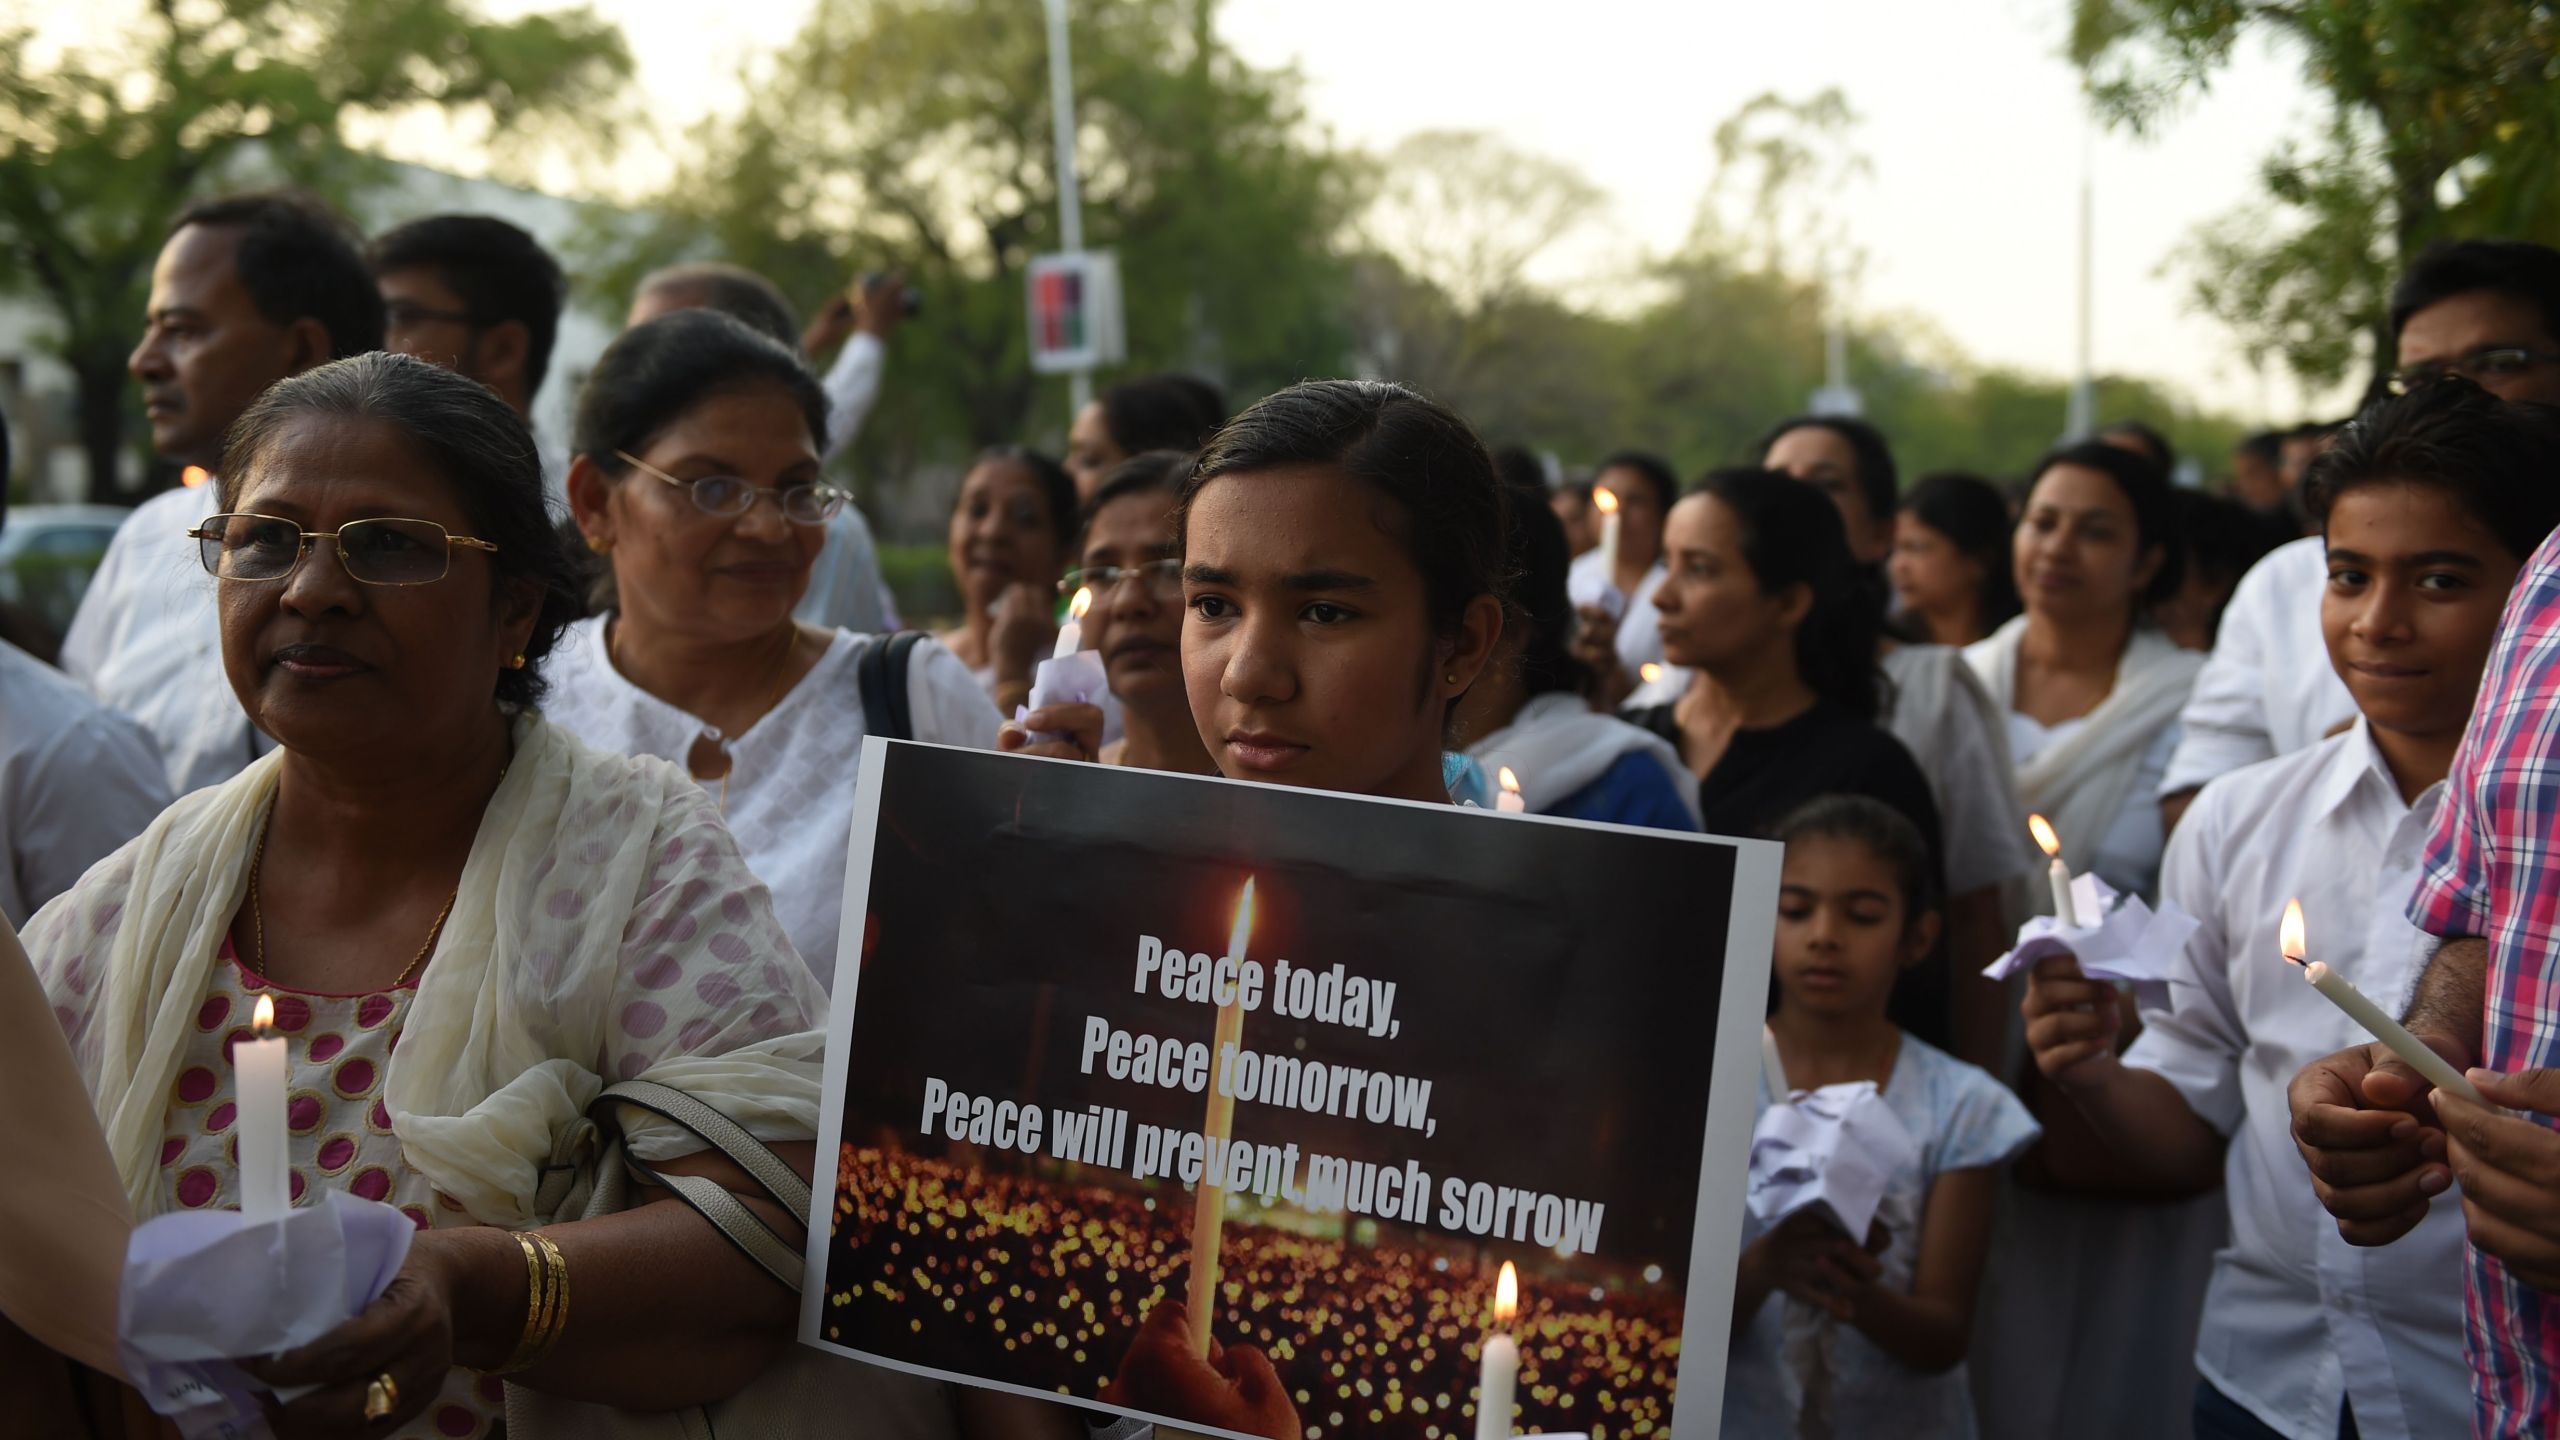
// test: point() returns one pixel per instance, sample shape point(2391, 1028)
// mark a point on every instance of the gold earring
point(599, 543)
point(517, 663)
point(1453, 680)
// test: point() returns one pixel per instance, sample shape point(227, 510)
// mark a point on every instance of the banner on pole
point(1075, 312)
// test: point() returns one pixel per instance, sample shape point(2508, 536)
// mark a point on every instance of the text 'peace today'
point(1293, 992)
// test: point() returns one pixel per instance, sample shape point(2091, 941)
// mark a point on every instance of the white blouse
point(792, 773)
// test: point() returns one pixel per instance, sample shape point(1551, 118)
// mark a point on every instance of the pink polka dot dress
point(337, 1132)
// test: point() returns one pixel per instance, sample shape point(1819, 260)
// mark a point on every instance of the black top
point(1766, 775)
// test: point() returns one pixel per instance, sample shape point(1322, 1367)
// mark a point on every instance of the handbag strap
point(882, 673)
point(746, 1229)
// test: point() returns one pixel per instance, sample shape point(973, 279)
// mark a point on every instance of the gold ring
point(381, 1396)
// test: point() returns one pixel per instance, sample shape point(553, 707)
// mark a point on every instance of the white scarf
point(1557, 744)
point(2084, 783)
point(512, 1016)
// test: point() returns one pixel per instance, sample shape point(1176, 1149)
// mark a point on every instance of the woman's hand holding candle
point(1061, 732)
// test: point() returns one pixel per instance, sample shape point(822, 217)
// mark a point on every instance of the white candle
point(1605, 501)
point(1498, 1378)
point(1772, 1068)
point(2059, 873)
point(1508, 800)
point(257, 1067)
point(1071, 634)
point(1209, 1202)
point(2376, 1021)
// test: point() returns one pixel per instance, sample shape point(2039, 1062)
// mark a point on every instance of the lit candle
point(1605, 501)
point(2059, 873)
point(257, 1066)
point(2423, 1059)
point(1499, 1375)
point(1071, 634)
point(1209, 1202)
point(1509, 800)
point(1649, 672)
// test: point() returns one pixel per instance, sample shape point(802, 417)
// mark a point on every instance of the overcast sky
point(1972, 122)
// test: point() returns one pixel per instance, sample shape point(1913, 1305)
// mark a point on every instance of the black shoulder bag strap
point(882, 671)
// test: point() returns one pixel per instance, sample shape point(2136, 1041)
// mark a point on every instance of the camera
point(910, 299)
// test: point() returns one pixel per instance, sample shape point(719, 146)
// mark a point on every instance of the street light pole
point(1062, 114)
point(2082, 420)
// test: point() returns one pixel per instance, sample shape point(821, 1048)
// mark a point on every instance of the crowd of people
point(2224, 1214)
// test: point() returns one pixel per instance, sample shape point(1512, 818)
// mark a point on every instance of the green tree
point(2445, 123)
point(99, 147)
point(916, 134)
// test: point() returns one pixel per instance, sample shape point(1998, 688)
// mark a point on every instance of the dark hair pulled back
point(1793, 535)
point(1450, 514)
point(1885, 831)
point(2146, 489)
point(1971, 512)
point(654, 374)
point(474, 440)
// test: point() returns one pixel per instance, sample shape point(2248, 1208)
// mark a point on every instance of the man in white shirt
point(2488, 310)
point(475, 295)
point(248, 290)
point(846, 590)
point(2433, 505)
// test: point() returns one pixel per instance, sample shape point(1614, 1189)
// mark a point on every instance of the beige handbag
point(805, 1391)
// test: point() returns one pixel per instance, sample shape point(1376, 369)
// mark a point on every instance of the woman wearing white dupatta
point(2090, 1303)
point(428, 867)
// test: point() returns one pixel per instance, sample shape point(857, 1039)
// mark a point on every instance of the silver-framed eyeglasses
point(1161, 578)
point(2497, 362)
point(729, 497)
point(387, 551)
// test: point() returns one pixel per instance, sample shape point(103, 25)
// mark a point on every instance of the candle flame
point(263, 1019)
point(1080, 604)
point(1604, 499)
point(2289, 937)
point(1244, 922)
point(1506, 1295)
point(1650, 671)
point(194, 476)
point(2045, 837)
point(1510, 782)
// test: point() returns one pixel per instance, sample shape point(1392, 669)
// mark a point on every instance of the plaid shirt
point(2493, 870)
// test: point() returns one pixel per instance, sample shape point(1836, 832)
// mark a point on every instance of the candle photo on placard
point(1508, 799)
point(1071, 634)
point(1209, 1202)
point(2292, 941)
point(2059, 873)
point(1498, 1378)
point(258, 1074)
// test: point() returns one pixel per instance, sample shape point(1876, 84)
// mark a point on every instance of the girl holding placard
point(1871, 1333)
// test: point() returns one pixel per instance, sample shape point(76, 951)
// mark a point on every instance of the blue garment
point(1634, 790)
point(1963, 1120)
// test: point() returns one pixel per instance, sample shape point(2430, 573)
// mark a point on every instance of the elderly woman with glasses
point(697, 478)
point(467, 924)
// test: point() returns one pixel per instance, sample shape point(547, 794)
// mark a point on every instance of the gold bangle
point(546, 1309)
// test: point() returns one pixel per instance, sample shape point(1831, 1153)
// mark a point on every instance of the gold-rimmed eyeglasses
point(729, 497)
point(388, 551)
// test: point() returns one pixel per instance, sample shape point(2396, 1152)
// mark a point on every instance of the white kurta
point(2268, 689)
point(790, 788)
point(147, 642)
point(76, 781)
point(1955, 730)
point(846, 591)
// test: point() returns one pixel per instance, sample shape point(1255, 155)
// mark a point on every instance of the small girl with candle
point(1867, 1336)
